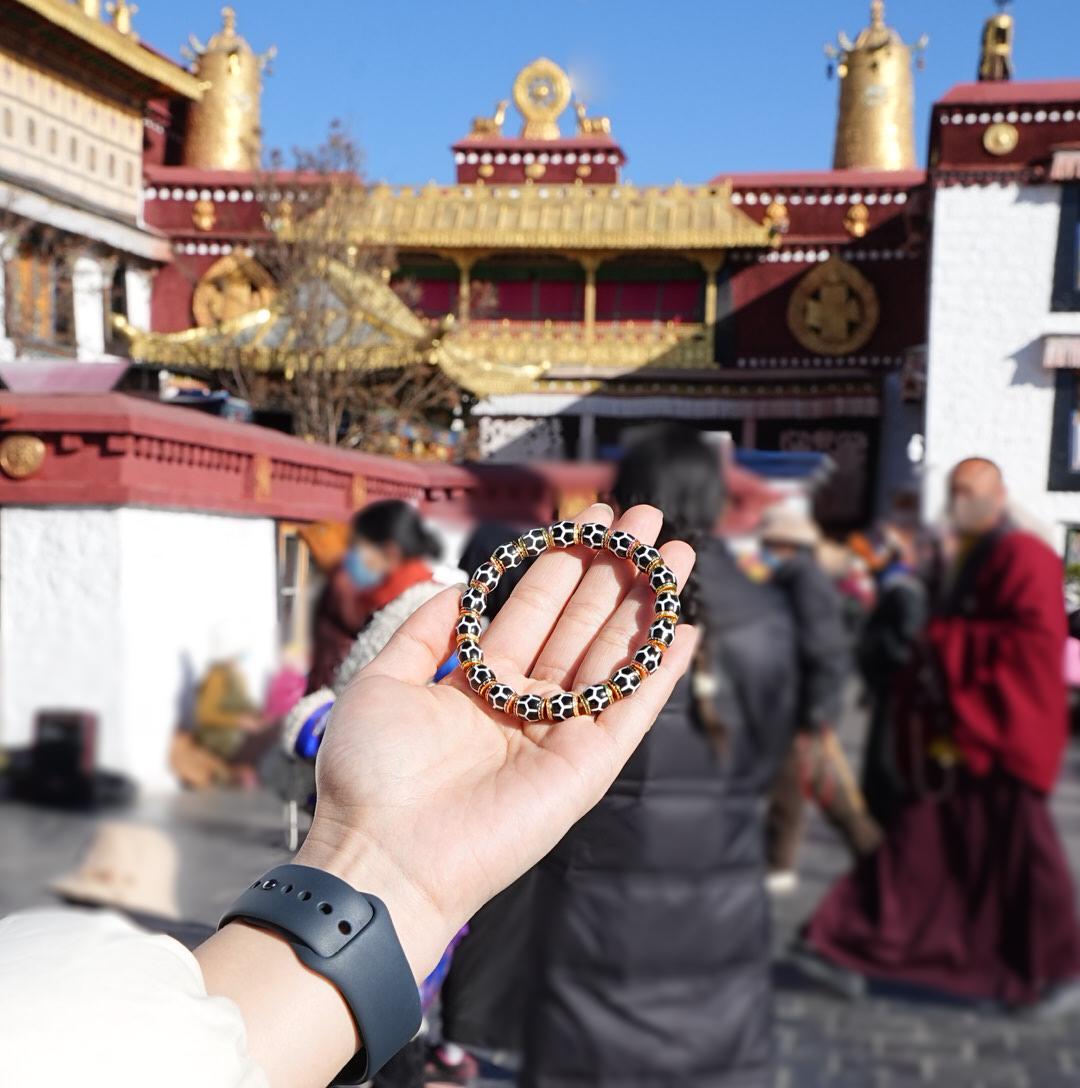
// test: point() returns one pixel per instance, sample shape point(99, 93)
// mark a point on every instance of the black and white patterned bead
point(468, 626)
point(650, 657)
point(626, 680)
point(469, 651)
point(645, 555)
point(486, 575)
point(618, 543)
point(662, 631)
point(509, 555)
point(669, 602)
point(479, 675)
point(592, 534)
point(562, 533)
point(534, 542)
point(498, 695)
point(562, 706)
point(528, 708)
point(597, 698)
point(474, 599)
point(662, 576)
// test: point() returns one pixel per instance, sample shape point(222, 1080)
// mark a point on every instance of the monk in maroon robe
point(971, 892)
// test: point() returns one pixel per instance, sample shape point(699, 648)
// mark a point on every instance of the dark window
point(1067, 261)
point(1064, 449)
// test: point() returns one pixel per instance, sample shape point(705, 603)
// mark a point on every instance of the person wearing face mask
point(390, 562)
point(971, 893)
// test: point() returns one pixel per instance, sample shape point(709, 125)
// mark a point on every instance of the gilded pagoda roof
point(354, 322)
point(538, 217)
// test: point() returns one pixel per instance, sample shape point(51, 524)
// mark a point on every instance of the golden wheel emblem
point(21, 455)
point(1000, 138)
point(541, 92)
point(834, 309)
point(234, 286)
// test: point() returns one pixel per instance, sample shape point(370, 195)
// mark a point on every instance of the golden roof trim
point(555, 217)
point(72, 19)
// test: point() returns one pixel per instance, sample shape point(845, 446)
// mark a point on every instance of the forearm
point(300, 1029)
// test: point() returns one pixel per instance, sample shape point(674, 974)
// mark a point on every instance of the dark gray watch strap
point(348, 938)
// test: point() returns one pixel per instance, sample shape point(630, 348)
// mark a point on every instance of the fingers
point(527, 619)
point(422, 643)
point(605, 583)
point(628, 720)
point(624, 631)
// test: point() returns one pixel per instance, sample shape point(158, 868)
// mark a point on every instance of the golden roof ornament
point(541, 93)
point(223, 130)
point(91, 8)
point(490, 126)
point(590, 126)
point(122, 13)
point(875, 129)
point(995, 58)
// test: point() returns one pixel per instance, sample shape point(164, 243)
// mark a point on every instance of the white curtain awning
point(1061, 352)
point(1065, 164)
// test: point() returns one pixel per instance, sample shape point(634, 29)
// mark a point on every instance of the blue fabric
point(447, 667)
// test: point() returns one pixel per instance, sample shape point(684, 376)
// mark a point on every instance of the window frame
point(1066, 290)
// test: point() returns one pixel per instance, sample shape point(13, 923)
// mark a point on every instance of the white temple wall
point(991, 275)
point(116, 611)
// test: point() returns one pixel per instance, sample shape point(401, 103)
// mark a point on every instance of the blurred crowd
point(639, 950)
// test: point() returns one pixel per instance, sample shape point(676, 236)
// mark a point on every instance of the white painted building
point(1004, 299)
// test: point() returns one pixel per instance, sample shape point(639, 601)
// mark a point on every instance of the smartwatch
point(348, 938)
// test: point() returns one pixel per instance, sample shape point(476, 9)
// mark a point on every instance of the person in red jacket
point(971, 893)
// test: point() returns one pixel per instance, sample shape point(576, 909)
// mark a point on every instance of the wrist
point(420, 927)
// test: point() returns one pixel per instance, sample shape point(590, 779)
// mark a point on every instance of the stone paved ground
point(887, 1041)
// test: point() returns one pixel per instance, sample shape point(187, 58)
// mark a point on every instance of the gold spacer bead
point(462, 613)
point(667, 587)
point(607, 537)
point(666, 616)
point(580, 709)
point(577, 532)
point(640, 670)
point(511, 704)
point(545, 709)
point(657, 562)
point(467, 665)
point(661, 646)
point(498, 565)
point(549, 540)
point(465, 638)
point(613, 691)
point(480, 586)
point(634, 545)
point(522, 550)
point(485, 687)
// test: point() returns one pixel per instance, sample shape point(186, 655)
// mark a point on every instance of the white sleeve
point(88, 998)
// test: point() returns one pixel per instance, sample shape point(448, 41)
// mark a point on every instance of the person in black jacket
point(815, 764)
point(652, 956)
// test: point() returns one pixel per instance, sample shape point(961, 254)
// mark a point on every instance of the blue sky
point(694, 88)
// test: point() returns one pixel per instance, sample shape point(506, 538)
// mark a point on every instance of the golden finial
point(223, 127)
point(995, 59)
point(590, 126)
point(541, 93)
point(122, 13)
point(91, 8)
point(875, 129)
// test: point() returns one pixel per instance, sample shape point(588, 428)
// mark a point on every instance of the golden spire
point(223, 130)
point(91, 8)
point(995, 60)
point(875, 129)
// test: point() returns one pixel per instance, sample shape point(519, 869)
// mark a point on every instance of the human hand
point(433, 801)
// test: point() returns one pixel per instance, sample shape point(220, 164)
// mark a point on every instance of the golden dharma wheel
point(541, 92)
point(21, 455)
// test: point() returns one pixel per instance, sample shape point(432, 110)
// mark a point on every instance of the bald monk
point(971, 894)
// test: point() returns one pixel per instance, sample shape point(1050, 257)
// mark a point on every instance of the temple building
point(787, 309)
point(74, 93)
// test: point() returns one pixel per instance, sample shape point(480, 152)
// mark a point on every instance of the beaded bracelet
point(566, 704)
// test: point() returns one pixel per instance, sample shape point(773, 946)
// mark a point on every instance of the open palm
point(433, 801)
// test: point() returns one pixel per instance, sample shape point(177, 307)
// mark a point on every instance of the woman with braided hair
point(652, 959)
